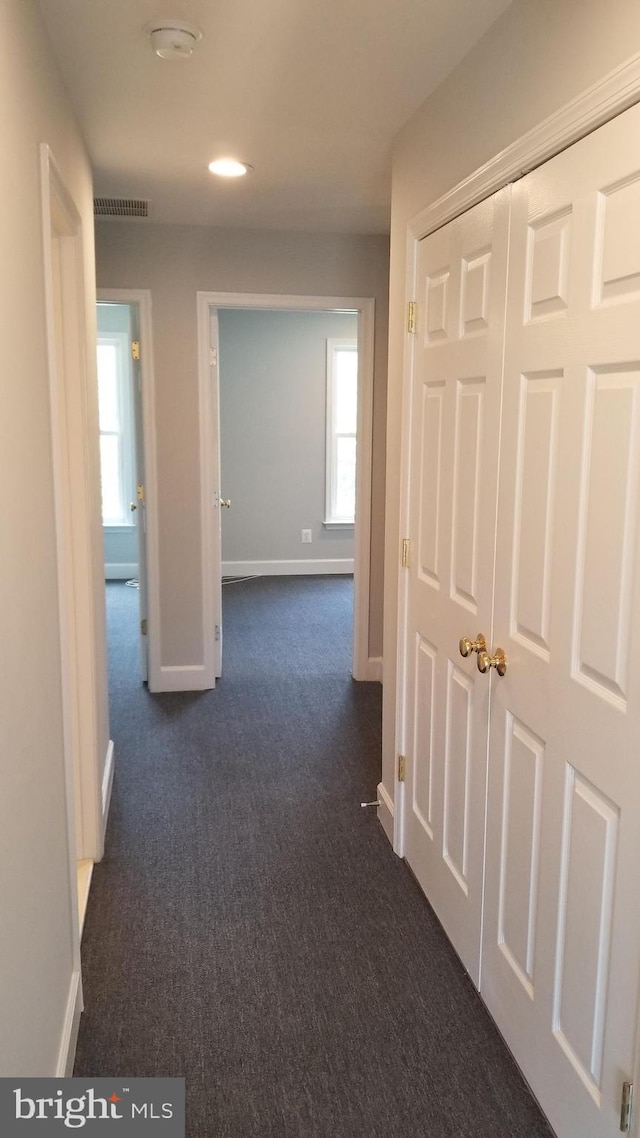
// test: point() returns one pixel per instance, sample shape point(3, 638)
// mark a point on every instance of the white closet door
point(453, 474)
point(561, 949)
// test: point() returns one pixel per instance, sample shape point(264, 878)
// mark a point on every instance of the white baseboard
point(70, 1027)
point(374, 669)
point(107, 784)
point(183, 677)
point(286, 568)
point(120, 570)
point(385, 812)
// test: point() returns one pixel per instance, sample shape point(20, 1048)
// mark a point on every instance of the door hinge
point(402, 768)
point(213, 356)
point(143, 627)
point(406, 552)
point(217, 632)
point(411, 319)
point(140, 492)
point(626, 1107)
point(135, 349)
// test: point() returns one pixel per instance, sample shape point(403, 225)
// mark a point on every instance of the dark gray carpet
point(250, 928)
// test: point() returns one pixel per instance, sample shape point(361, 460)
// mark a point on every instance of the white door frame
point(364, 307)
point(142, 299)
point(73, 412)
point(76, 496)
point(595, 106)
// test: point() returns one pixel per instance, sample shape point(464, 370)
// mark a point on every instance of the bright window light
point(116, 429)
point(342, 421)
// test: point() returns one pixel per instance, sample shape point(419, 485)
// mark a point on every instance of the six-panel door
point(561, 949)
point(557, 896)
point(455, 416)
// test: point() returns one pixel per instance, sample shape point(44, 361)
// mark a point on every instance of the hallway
point(250, 928)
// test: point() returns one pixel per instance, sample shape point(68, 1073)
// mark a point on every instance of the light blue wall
point(272, 425)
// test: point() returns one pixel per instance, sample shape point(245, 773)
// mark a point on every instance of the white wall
point(35, 898)
point(120, 542)
point(272, 423)
point(535, 58)
point(175, 262)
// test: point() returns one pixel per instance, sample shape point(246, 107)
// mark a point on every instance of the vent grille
point(120, 207)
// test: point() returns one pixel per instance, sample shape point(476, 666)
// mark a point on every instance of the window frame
point(124, 434)
point(333, 520)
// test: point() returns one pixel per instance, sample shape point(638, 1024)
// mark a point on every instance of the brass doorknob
point(499, 662)
point(468, 646)
point(226, 502)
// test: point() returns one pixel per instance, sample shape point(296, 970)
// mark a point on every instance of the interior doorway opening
point(212, 309)
point(127, 459)
point(122, 453)
point(288, 388)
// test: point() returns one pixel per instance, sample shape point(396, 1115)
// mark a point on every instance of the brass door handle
point(499, 662)
point(226, 502)
point(468, 646)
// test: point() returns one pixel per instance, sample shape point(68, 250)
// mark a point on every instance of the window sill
point(338, 525)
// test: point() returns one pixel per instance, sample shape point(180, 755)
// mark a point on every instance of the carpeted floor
point(250, 928)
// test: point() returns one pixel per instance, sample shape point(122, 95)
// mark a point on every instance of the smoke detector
point(173, 39)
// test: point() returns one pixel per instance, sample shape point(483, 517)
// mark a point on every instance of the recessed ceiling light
point(229, 168)
point(173, 39)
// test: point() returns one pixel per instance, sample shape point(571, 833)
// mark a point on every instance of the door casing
point(364, 307)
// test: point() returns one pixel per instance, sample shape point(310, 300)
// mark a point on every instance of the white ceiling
point(311, 92)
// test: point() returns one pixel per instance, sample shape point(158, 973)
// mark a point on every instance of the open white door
point(141, 497)
point(216, 497)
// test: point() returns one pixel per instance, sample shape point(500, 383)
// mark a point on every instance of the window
point(342, 420)
point(116, 422)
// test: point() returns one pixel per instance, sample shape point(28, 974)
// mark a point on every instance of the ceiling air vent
point(120, 207)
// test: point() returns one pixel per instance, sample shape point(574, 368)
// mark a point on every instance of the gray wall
point(36, 911)
point(120, 542)
point(174, 262)
point(539, 55)
point(272, 423)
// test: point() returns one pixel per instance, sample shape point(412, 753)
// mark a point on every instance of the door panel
point(216, 543)
point(140, 514)
point(561, 944)
point(454, 449)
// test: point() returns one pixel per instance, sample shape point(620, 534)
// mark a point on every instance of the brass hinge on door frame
point(402, 768)
point(406, 552)
point(411, 318)
point(135, 349)
point(626, 1107)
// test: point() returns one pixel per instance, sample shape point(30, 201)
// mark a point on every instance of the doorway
point(288, 434)
point(361, 311)
point(127, 455)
